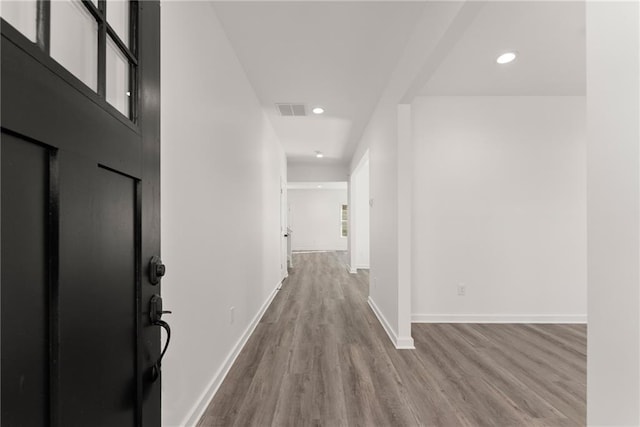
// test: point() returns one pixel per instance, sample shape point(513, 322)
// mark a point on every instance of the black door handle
point(155, 315)
point(155, 309)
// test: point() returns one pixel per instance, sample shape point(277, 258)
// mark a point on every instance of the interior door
point(80, 220)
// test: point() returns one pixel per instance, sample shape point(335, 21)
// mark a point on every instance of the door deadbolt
point(156, 270)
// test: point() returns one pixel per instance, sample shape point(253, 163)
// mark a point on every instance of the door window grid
point(22, 15)
point(125, 50)
point(344, 220)
point(74, 40)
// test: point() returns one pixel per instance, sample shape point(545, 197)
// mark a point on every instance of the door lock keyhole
point(156, 270)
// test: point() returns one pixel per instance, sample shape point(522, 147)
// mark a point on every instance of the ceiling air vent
point(292, 110)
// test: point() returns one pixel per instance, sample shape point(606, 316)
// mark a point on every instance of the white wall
point(222, 167)
point(380, 137)
point(499, 205)
point(361, 213)
point(314, 217)
point(613, 213)
point(319, 171)
point(389, 289)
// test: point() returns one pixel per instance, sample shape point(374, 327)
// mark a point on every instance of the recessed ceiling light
point(319, 186)
point(319, 154)
point(318, 110)
point(505, 58)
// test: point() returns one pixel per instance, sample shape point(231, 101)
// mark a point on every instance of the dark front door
point(80, 221)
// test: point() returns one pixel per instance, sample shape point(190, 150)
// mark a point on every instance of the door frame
point(284, 231)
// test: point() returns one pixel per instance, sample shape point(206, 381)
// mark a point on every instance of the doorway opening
point(318, 217)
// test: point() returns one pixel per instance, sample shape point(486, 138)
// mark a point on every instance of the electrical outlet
point(462, 289)
point(232, 314)
point(374, 279)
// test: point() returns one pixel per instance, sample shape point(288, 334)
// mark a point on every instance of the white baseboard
point(401, 343)
point(498, 318)
point(315, 251)
point(354, 270)
point(198, 409)
point(405, 343)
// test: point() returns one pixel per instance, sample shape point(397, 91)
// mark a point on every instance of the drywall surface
point(360, 212)
point(390, 293)
point(613, 213)
point(317, 172)
point(314, 217)
point(222, 169)
point(499, 208)
point(383, 286)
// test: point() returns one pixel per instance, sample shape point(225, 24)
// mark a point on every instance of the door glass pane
point(22, 15)
point(118, 91)
point(74, 40)
point(118, 18)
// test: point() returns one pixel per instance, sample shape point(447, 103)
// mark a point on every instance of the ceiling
point(338, 55)
point(549, 37)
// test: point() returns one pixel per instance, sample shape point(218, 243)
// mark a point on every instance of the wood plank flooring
point(319, 357)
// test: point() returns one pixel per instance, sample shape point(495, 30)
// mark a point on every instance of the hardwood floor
point(319, 357)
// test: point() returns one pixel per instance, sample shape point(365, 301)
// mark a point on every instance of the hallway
point(320, 357)
point(319, 212)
